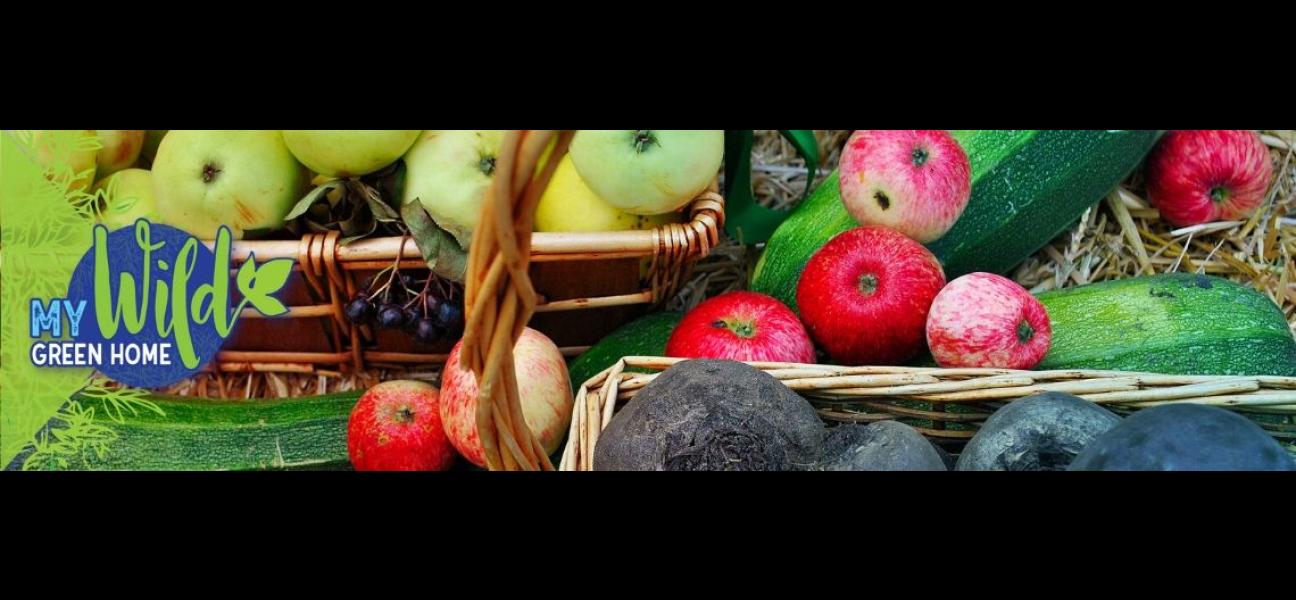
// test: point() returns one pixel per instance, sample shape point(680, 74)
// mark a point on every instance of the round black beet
point(1040, 433)
point(1185, 437)
point(707, 415)
point(882, 446)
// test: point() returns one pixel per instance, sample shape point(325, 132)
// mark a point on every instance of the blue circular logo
point(149, 319)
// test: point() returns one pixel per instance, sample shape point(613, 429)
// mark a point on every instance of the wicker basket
point(587, 284)
point(956, 400)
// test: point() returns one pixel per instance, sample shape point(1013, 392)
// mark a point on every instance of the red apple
point(864, 296)
point(1201, 176)
point(396, 426)
point(543, 386)
point(917, 182)
point(745, 327)
point(987, 321)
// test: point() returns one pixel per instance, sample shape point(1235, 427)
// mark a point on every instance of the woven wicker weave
point(863, 394)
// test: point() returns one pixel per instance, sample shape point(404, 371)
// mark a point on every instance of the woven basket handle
point(500, 299)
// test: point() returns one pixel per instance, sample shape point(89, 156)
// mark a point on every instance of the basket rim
point(1114, 389)
point(706, 218)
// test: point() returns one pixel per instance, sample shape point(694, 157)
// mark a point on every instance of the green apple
point(246, 180)
point(121, 149)
point(648, 171)
point(450, 172)
point(128, 196)
point(76, 148)
point(569, 205)
point(349, 153)
point(152, 139)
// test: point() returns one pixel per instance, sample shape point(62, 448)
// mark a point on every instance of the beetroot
point(882, 446)
point(707, 415)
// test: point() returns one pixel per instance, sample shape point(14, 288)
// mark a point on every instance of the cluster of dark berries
point(431, 310)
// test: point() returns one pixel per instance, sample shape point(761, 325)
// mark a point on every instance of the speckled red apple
point(1201, 176)
point(987, 321)
point(864, 296)
point(543, 384)
point(917, 182)
point(396, 426)
point(742, 326)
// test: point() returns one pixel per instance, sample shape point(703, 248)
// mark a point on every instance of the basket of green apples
point(380, 223)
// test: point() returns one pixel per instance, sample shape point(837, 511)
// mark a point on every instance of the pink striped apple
point(917, 182)
point(543, 384)
point(987, 321)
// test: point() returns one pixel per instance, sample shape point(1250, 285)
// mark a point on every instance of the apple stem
point(209, 173)
point(742, 329)
point(1219, 194)
point(920, 157)
point(868, 284)
point(1025, 332)
point(405, 415)
point(644, 138)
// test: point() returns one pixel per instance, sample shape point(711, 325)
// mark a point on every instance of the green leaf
point(808, 147)
point(313, 197)
point(380, 209)
point(746, 221)
point(442, 253)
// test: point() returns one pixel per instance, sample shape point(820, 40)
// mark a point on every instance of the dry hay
point(1121, 237)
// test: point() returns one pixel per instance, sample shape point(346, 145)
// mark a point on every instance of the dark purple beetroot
point(882, 446)
point(1040, 433)
point(707, 415)
point(1185, 437)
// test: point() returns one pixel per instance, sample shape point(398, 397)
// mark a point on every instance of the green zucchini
point(1028, 186)
point(221, 435)
point(644, 337)
point(1178, 324)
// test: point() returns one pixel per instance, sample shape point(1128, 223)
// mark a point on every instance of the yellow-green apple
point(449, 171)
point(349, 152)
point(121, 150)
point(917, 182)
point(1200, 176)
point(75, 149)
point(983, 320)
point(648, 171)
point(569, 205)
point(865, 296)
point(152, 139)
point(543, 388)
point(742, 326)
point(128, 196)
point(246, 180)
